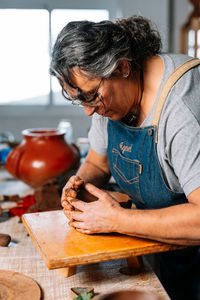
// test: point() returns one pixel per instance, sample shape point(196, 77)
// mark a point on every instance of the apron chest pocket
point(128, 169)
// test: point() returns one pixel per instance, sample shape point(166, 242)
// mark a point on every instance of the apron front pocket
point(126, 172)
point(128, 169)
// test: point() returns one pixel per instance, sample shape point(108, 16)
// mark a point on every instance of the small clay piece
point(4, 240)
point(123, 199)
point(16, 286)
point(84, 195)
point(46, 197)
point(10, 198)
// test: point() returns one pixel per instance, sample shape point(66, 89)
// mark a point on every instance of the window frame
point(49, 6)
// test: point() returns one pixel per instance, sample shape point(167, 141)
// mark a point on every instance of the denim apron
point(134, 164)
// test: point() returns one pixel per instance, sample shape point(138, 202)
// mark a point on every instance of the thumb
point(95, 191)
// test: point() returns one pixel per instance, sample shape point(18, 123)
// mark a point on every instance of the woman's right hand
point(70, 191)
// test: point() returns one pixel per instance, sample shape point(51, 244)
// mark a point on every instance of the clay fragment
point(4, 239)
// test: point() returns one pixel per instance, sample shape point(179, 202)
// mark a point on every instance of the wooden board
point(16, 286)
point(61, 246)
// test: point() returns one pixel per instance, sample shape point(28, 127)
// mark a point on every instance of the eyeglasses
point(87, 99)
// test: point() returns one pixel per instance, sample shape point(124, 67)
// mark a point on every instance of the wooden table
point(64, 248)
point(104, 277)
point(22, 256)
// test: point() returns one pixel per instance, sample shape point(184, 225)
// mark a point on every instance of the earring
point(125, 75)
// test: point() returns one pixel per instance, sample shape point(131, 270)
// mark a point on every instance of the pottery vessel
point(129, 295)
point(42, 155)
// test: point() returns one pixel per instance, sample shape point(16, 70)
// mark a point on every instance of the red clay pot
point(42, 155)
point(129, 295)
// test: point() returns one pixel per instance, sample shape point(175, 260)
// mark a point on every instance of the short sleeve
point(183, 149)
point(98, 136)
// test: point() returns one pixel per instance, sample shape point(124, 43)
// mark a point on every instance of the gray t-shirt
point(179, 128)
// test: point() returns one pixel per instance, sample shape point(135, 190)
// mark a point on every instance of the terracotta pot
point(42, 155)
point(129, 295)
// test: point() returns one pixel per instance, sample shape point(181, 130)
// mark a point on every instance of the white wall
point(18, 118)
point(15, 119)
point(155, 10)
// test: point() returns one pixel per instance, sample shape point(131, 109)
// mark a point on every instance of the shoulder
point(172, 61)
point(184, 97)
point(98, 134)
point(99, 120)
point(179, 115)
point(179, 144)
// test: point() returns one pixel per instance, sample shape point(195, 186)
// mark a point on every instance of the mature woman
point(144, 133)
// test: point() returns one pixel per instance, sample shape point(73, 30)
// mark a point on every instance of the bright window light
point(60, 18)
point(24, 52)
point(24, 56)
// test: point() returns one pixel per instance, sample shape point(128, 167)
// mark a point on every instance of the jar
point(42, 155)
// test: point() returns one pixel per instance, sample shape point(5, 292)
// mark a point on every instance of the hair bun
point(143, 34)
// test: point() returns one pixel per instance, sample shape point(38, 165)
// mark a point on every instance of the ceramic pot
point(129, 295)
point(42, 155)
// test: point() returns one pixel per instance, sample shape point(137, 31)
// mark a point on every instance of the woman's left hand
point(95, 217)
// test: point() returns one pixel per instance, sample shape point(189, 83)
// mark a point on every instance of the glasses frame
point(80, 100)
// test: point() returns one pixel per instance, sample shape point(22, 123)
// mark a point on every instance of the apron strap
point(172, 79)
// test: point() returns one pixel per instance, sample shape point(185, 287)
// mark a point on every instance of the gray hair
point(98, 48)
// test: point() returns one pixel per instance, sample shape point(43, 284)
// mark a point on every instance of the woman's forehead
point(83, 80)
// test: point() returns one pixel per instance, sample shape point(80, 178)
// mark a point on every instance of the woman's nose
point(89, 110)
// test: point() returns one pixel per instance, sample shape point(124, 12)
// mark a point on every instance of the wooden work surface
point(22, 256)
point(61, 246)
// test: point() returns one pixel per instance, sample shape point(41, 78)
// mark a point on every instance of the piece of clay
point(4, 239)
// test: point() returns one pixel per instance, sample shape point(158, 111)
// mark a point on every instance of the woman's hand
point(70, 192)
point(95, 217)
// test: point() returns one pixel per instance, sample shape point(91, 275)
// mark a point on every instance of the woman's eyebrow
point(90, 92)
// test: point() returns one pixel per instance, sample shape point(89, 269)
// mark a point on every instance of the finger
point(77, 182)
point(65, 195)
point(70, 193)
point(80, 226)
point(78, 204)
point(76, 215)
point(66, 205)
point(73, 182)
point(84, 231)
point(67, 214)
point(92, 189)
point(76, 224)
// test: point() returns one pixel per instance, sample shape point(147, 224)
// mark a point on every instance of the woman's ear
point(123, 69)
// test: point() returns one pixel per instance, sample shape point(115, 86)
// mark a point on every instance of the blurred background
point(29, 97)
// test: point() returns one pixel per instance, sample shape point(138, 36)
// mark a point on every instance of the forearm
point(178, 224)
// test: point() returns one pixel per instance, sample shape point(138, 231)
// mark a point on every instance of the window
point(24, 52)
point(24, 56)
point(190, 32)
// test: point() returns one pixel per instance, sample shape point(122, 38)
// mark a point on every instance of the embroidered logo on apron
point(125, 148)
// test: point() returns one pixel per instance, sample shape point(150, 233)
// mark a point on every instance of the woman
point(116, 72)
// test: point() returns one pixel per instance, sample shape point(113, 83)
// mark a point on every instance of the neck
point(152, 73)
point(133, 116)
